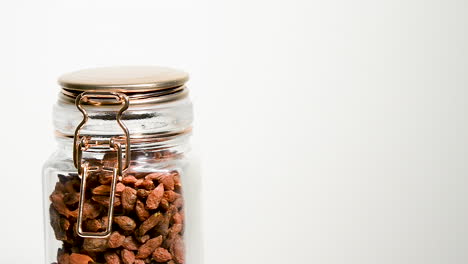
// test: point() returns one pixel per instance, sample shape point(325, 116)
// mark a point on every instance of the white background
point(331, 132)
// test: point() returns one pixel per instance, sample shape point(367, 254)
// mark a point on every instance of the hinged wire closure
point(82, 143)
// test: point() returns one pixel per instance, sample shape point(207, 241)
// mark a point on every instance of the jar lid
point(126, 79)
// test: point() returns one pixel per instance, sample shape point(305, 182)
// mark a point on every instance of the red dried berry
point(125, 222)
point(161, 255)
point(95, 244)
point(178, 250)
point(148, 248)
point(80, 259)
point(149, 223)
point(130, 243)
point(112, 258)
point(154, 198)
point(129, 198)
point(128, 257)
point(115, 240)
point(141, 211)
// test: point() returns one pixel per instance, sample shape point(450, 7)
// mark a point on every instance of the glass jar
point(113, 189)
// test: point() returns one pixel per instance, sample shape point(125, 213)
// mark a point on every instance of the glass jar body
point(156, 209)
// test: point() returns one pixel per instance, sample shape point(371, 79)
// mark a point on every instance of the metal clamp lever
point(110, 213)
point(81, 144)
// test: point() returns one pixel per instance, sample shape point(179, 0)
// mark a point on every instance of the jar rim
point(68, 96)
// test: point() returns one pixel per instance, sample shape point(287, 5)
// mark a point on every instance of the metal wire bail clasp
point(82, 143)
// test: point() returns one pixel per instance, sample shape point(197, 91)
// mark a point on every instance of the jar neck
point(153, 128)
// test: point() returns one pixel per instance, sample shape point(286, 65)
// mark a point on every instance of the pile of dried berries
point(147, 224)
